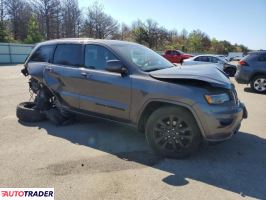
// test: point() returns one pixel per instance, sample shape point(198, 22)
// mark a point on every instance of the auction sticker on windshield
point(26, 193)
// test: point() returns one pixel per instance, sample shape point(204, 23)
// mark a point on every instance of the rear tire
point(173, 132)
point(27, 112)
point(258, 83)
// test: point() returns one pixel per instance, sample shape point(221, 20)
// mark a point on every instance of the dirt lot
point(92, 159)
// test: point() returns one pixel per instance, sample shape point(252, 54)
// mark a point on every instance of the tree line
point(32, 21)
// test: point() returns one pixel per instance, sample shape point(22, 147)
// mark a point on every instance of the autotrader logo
point(26, 193)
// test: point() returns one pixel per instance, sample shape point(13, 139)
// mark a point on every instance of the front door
point(104, 92)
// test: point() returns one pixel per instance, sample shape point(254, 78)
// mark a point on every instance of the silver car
point(215, 60)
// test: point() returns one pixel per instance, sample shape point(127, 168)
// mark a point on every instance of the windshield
point(143, 57)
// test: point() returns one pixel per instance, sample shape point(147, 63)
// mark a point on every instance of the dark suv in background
point(252, 70)
point(125, 82)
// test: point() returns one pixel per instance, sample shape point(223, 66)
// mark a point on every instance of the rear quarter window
point(43, 54)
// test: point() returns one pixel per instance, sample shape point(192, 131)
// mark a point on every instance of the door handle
point(50, 69)
point(85, 74)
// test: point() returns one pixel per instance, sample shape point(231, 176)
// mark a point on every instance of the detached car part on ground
point(176, 107)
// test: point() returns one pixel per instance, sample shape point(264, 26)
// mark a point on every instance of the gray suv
point(176, 107)
point(252, 70)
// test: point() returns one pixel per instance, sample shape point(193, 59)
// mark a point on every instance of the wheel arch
point(256, 74)
point(153, 105)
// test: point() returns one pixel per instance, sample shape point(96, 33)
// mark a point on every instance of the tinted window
point(262, 58)
point(202, 59)
point(97, 56)
point(175, 53)
point(68, 54)
point(43, 54)
point(213, 59)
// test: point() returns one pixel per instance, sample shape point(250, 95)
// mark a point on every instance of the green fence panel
point(11, 53)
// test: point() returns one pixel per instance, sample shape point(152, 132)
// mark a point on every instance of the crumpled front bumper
point(220, 123)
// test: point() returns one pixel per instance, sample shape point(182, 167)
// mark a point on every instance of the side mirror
point(116, 66)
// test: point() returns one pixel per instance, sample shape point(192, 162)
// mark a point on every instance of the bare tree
point(125, 32)
point(98, 24)
point(153, 32)
point(2, 10)
point(71, 18)
point(19, 13)
point(48, 14)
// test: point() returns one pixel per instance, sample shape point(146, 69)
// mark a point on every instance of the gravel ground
point(95, 159)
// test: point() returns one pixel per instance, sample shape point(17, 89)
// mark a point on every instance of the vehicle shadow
point(238, 165)
point(249, 90)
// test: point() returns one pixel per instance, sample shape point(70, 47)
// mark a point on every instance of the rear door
point(40, 58)
point(107, 93)
point(261, 64)
point(63, 75)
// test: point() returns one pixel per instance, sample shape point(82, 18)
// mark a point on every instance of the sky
point(238, 21)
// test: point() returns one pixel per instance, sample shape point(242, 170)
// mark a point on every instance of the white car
point(204, 59)
point(218, 62)
point(223, 57)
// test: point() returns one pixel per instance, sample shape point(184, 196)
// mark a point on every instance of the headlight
point(217, 98)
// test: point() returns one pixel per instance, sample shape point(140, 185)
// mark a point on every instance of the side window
point(174, 53)
point(177, 53)
point(43, 54)
point(168, 52)
point(205, 59)
point(213, 59)
point(97, 56)
point(262, 58)
point(198, 58)
point(68, 54)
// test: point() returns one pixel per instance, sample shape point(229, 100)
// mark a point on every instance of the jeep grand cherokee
point(175, 107)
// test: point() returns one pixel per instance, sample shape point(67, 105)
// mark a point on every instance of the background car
point(236, 58)
point(176, 56)
point(221, 64)
point(232, 55)
point(252, 70)
point(223, 57)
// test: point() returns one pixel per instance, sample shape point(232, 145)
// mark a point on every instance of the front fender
point(171, 102)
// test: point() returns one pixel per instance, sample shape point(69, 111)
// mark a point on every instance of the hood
point(205, 73)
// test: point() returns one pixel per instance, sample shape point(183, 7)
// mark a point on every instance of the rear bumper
point(222, 123)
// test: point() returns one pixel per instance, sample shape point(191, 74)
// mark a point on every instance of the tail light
point(243, 63)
